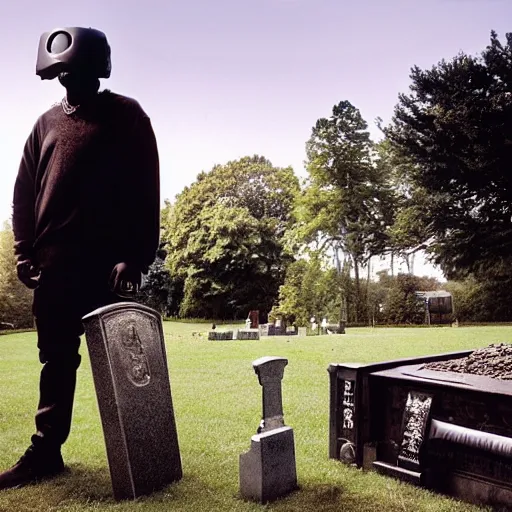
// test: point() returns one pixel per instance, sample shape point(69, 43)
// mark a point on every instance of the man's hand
point(28, 274)
point(125, 279)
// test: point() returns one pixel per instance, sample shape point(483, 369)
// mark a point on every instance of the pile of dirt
point(493, 361)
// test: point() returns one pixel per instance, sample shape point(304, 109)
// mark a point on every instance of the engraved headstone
point(268, 470)
point(220, 335)
point(263, 329)
point(129, 366)
point(248, 334)
point(254, 316)
point(416, 413)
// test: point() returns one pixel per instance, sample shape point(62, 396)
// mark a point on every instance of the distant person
point(314, 325)
point(86, 223)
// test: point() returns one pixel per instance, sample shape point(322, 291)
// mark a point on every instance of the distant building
point(438, 306)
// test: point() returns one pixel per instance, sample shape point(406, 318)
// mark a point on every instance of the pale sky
point(222, 79)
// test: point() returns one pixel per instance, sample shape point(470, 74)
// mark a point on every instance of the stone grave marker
point(334, 329)
point(220, 335)
point(263, 329)
point(248, 334)
point(129, 366)
point(302, 332)
point(441, 421)
point(254, 317)
point(268, 470)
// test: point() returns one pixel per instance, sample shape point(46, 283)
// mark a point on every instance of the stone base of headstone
point(276, 330)
point(129, 367)
point(335, 329)
point(220, 335)
point(248, 334)
point(268, 470)
point(263, 329)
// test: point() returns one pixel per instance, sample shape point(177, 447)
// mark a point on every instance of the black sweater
point(88, 186)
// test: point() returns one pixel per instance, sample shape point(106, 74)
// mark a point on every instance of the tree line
point(249, 235)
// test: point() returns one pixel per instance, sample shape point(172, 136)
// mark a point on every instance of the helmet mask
point(74, 51)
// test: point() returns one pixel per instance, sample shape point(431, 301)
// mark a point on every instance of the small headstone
point(254, 316)
point(248, 334)
point(335, 329)
point(220, 335)
point(268, 470)
point(275, 330)
point(129, 366)
point(263, 329)
point(303, 331)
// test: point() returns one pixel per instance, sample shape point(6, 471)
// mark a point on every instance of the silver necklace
point(68, 109)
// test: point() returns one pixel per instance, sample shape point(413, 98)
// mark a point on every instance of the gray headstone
point(270, 371)
point(263, 329)
point(220, 335)
point(302, 332)
point(268, 470)
point(248, 334)
point(131, 377)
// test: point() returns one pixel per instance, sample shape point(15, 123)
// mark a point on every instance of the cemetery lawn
point(217, 401)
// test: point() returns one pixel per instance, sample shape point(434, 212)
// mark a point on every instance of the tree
point(225, 238)
point(15, 298)
point(307, 292)
point(401, 305)
point(159, 289)
point(481, 301)
point(408, 233)
point(347, 203)
point(455, 130)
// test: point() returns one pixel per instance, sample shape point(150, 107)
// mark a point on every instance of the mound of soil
point(493, 361)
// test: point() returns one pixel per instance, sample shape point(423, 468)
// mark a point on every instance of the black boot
point(36, 464)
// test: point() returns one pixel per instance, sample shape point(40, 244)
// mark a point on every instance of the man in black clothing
point(86, 223)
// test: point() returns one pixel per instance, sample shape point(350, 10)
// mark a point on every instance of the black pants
point(63, 297)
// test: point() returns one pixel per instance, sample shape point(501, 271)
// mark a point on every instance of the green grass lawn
point(217, 401)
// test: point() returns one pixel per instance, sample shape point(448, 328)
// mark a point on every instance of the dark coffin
point(349, 419)
point(450, 432)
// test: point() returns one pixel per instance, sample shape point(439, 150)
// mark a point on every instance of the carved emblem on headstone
point(348, 452)
point(348, 405)
point(136, 362)
point(417, 409)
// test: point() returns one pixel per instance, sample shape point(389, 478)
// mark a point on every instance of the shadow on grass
point(80, 487)
point(334, 497)
point(309, 498)
point(83, 483)
point(76, 484)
